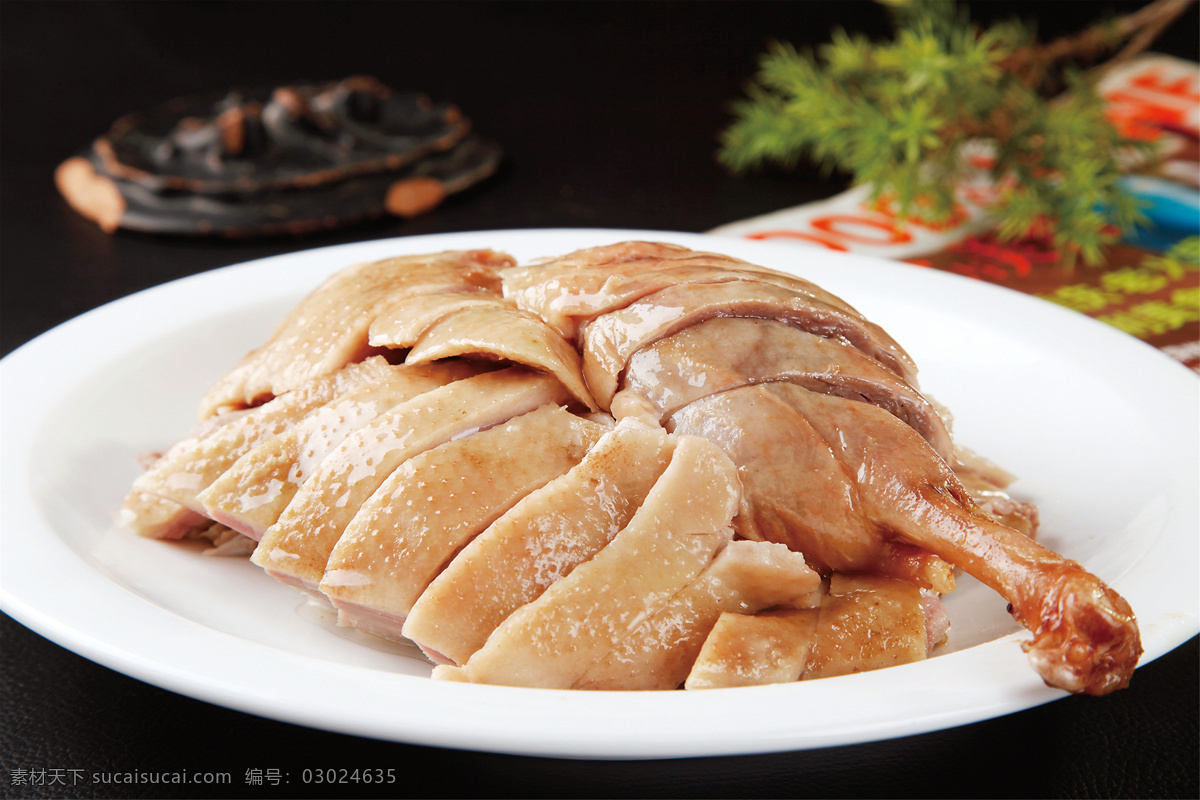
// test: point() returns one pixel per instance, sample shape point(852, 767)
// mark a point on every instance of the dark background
point(609, 113)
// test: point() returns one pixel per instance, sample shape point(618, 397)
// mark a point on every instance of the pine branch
point(1140, 27)
point(896, 115)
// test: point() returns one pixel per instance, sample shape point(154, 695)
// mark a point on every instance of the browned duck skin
point(1085, 636)
point(795, 489)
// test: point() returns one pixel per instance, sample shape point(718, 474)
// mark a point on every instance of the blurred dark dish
point(291, 159)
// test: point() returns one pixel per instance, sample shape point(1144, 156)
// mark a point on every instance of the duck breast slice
point(191, 465)
point(578, 620)
point(329, 328)
point(754, 649)
point(152, 516)
point(745, 577)
point(501, 332)
point(537, 542)
point(437, 502)
point(251, 494)
point(296, 548)
point(866, 622)
point(400, 324)
point(544, 286)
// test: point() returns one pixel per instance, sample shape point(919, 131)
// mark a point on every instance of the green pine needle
point(896, 114)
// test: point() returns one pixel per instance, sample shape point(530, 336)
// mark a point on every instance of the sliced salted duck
point(866, 622)
point(569, 291)
point(610, 340)
point(537, 542)
point(329, 328)
point(754, 649)
point(796, 490)
point(437, 502)
point(501, 332)
point(296, 548)
point(745, 577)
point(152, 516)
point(191, 465)
point(683, 522)
point(251, 494)
point(400, 324)
point(1085, 637)
point(729, 352)
point(857, 486)
point(542, 288)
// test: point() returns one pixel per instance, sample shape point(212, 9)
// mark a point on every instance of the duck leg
point(1085, 636)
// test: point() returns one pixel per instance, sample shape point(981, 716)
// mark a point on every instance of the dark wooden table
point(609, 113)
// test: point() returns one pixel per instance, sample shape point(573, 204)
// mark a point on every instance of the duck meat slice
point(609, 341)
point(867, 622)
point(191, 465)
point(437, 502)
point(796, 491)
point(570, 290)
point(400, 324)
point(1085, 637)
point(147, 513)
point(296, 548)
point(329, 328)
point(541, 287)
point(578, 620)
point(251, 494)
point(152, 516)
point(537, 542)
point(501, 332)
point(745, 577)
point(864, 622)
point(729, 352)
point(754, 649)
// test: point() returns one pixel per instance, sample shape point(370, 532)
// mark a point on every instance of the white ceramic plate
point(1101, 428)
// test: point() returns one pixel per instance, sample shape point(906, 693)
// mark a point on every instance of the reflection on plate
point(1101, 429)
